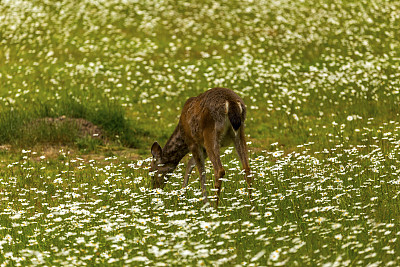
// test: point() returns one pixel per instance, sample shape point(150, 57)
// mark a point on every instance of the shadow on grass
point(42, 123)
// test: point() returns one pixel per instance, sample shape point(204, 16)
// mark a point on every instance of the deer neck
point(175, 148)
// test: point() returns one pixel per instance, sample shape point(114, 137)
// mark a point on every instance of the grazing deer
point(209, 121)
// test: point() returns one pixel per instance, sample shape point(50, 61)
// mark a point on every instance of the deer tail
point(235, 115)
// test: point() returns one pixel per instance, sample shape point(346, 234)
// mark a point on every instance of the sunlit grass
point(322, 87)
point(298, 65)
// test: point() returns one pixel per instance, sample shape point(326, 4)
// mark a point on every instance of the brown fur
point(209, 121)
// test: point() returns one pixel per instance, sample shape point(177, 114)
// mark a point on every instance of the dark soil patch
point(85, 128)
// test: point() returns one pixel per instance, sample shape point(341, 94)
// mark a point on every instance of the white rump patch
point(226, 107)
point(240, 107)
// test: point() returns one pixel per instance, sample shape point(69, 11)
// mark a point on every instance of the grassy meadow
point(321, 81)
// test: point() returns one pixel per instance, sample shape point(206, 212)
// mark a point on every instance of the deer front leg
point(191, 164)
point(198, 156)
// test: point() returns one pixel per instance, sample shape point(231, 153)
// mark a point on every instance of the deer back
point(211, 109)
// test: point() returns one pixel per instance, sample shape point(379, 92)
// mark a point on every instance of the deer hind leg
point(241, 149)
point(198, 156)
point(211, 142)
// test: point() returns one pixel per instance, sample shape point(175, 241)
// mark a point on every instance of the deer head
point(159, 166)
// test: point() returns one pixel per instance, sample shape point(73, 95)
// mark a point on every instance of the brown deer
point(209, 121)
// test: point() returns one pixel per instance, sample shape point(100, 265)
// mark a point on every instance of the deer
point(211, 120)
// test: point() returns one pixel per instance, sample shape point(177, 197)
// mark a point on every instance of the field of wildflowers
point(321, 80)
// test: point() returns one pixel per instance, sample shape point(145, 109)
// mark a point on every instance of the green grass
point(321, 83)
point(307, 208)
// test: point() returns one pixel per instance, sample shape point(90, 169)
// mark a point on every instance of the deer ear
point(156, 150)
